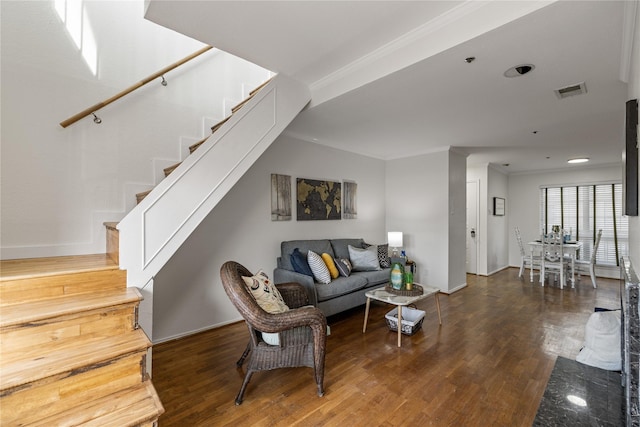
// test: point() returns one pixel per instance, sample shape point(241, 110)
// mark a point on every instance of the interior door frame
point(477, 215)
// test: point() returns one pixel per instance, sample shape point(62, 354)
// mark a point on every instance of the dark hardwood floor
point(487, 365)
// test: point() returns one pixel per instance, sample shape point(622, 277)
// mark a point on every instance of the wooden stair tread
point(40, 267)
point(219, 124)
point(263, 84)
point(170, 169)
point(241, 104)
point(60, 306)
point(141, 196)
point(111, 225)
point(195, 146)
point(81, 354)
point(129, 407)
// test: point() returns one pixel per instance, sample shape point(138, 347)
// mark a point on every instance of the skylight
point(74, 16)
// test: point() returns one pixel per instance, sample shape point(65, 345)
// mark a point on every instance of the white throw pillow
point(318, 267)
point(265, 292)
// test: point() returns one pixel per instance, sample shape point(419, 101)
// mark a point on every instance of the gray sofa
point(342, 293)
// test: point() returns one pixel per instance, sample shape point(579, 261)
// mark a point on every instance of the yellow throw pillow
point(333, 270)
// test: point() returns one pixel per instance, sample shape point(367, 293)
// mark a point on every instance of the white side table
point(380, 294)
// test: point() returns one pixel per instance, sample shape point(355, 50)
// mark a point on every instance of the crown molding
point(418, 33)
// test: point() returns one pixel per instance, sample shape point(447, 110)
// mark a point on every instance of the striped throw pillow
point(318, 267)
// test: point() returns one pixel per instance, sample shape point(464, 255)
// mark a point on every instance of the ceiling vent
point(567, 91)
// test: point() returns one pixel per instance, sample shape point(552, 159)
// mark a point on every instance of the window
point(583, 210)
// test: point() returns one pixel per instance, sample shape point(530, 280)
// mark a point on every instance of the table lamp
point(394, 238)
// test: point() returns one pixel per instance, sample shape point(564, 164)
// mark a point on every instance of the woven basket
point(417, 290)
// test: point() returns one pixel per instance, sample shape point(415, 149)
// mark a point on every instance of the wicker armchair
point(302, 330)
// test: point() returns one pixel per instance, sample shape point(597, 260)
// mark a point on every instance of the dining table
point(571, 248)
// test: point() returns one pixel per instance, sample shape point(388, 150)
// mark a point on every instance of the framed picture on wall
point(498, 206)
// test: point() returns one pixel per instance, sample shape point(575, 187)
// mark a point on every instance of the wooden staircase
point(140, 196)
point(71, 352)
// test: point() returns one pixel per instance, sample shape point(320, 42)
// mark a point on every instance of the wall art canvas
point(498, 206)
point(350, 210)
point(318, 200)
point(280, 197)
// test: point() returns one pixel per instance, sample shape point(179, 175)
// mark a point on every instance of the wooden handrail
point(84, 113)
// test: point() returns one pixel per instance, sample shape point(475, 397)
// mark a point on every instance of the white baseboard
point(456, 289)
point(499, 270)
point(195, 331)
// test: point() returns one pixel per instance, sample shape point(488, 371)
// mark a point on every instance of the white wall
point(497, 226)
point(493, 232)
point(59, 185)
point(524, 199)
point(426, 200)
point(188, 295)
point(457, 221)
point(634, 93)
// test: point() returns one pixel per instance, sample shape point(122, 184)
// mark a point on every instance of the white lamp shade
point(394, 238)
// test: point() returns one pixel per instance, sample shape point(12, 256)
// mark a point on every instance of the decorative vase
point(397, 276)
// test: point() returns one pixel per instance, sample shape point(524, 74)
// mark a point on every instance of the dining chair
point(530, 260)
point(589, 266)
point(553, 259)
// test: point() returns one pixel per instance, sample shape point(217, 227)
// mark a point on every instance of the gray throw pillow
point(364, 259)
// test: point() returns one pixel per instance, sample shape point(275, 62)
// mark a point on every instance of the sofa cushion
point(287, 248)
point(299, 263)
point(374, 278)
point(340, 246)
point(319, 268)
point(364, 259)
point(340, 286)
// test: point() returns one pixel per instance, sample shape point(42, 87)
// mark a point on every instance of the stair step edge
point(257, 89)
point(195, 146)
point(171, 168)
point(82, 354)
point(15, 269)
point(111, 225)
point(219, 124)
point(38, 311)
point(129, 407)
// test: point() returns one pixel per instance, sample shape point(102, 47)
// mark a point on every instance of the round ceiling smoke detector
point(519, 70)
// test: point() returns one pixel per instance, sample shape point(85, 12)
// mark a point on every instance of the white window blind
point(585, 209)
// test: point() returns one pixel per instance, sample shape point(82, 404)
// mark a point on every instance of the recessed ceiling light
point(519, 70)
point(578, 160)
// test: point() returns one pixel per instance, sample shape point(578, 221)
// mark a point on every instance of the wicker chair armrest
point(280, 275)
point(303, 316)
point(294, 294)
